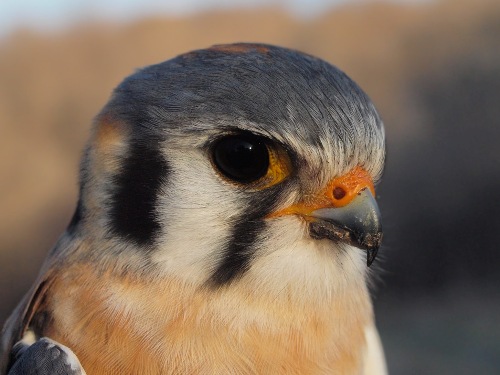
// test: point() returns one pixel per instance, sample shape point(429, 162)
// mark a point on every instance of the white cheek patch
point(197, 212)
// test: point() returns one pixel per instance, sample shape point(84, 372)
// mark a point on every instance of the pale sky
point(55, 14)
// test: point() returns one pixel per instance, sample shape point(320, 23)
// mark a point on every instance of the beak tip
point(371, 243)
point(371, 254)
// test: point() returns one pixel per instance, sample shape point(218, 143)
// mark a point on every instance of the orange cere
point(339, 192)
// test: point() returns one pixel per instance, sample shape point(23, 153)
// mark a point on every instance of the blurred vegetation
point(433, 70)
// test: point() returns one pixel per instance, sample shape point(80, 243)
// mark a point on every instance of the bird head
point(237, 162)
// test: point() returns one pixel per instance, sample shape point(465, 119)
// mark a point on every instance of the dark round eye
point(241, 158)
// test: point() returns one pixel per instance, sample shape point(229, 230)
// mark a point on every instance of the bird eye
point(251, 160)
point(241, 158)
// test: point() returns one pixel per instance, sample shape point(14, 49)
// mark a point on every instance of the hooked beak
point(345, 211)
point(357, 224)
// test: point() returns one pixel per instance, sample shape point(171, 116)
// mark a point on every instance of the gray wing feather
point(44, 357)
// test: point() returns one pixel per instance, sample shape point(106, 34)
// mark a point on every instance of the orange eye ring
point(280, 167)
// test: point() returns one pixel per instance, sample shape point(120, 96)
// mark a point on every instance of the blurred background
point(431, 67)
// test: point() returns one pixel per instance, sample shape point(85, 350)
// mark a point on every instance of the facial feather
point(187, 266)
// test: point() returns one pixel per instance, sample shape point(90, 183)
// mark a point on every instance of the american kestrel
point(225, 223)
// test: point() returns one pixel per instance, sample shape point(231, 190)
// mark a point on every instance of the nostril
point(339, 193)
